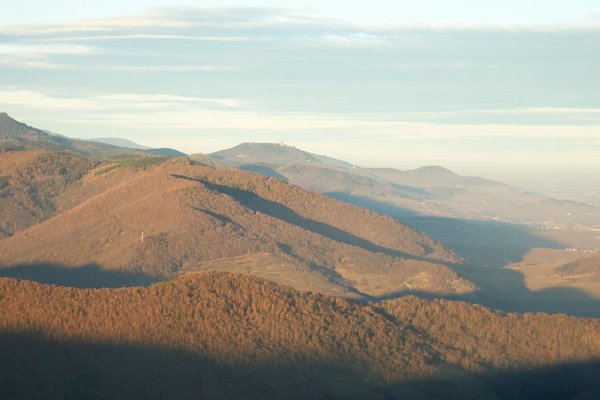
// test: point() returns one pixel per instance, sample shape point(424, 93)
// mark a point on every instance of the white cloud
point(177, 112)
point(39, 101)
point(42, 64)
point(531, 111)
point(148, 36)
point(300, 62)
point(179, 17)
point(251, 20)
point(162, 68)
point(162, 100)
point(34, 65)
point(24, 50)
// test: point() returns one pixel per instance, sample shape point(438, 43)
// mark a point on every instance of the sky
point(508, 90)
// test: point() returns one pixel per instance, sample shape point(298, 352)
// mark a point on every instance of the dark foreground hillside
point(214, 335)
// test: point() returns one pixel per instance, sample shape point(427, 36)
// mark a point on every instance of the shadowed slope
point(482, 243)
point(15, 135)
point(223, 336)
point(86, 276)
point(92, 370)
point(586, 268)
point(31, 182)
point(428, 191)
point(151, 221)
point(276, 210)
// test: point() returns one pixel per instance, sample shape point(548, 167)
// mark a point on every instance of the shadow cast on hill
point(273, 209)
point(479, 243)
point(487, 247)
point(482, 243)
point(263, 170)
point(505, 290)
point(86, 276)
point(380, 207)
point(35, 367)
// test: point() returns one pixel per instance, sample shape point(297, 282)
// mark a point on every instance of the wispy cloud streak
point(270, 73)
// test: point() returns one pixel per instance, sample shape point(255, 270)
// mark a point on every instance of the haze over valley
point(266, 200)
point(80, 215)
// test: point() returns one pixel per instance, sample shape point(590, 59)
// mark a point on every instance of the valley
point(288, 280)
point(495, 228)
point(260, 200)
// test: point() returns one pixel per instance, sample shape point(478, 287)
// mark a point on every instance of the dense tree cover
point(31, 182)
point(191, 214)
point(585, 268)
point(478, 338)
point(229, 318)
point(141, 163)
point(16, 135)
point(218, 335)
point(382, 231)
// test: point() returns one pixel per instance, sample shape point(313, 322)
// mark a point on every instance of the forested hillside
point(231, 336)
point(156, 217)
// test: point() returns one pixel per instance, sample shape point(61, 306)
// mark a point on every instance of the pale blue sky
point(375, 11)
point(489, 88)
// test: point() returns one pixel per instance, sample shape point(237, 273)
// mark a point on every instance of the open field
point(275, 269)
point(540, 270)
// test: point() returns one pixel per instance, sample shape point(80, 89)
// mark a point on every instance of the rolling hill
point(120, 142)
point(583, 269)
point(426, 191)
point(30, 183)
point(274, 154)
point(217, 335)
point(156, 217)
point(144, 276)
point(15, 135)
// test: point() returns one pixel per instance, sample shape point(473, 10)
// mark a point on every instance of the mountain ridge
point(120, 142)
point(428, 190)
point(178, 205)
point(303, 345)
point(15, 135)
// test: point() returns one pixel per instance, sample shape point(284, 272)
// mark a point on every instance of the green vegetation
point(586, 267)
point(198, 163)
point(138, 163)
point(11, 129)
point(6, 146)
point(567, 269)
point(4, 180)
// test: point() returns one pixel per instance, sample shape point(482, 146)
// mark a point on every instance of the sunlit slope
point(277, 269)
point(426, 191)
point(31, 183)
point(15, 135)
point(218, 335)
point(587, 268)
point(160, 218)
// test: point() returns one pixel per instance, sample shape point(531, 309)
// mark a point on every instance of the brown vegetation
point(30, 183)
point(432, 190)
point(277, 269)
point(585, 268)
point(189, 214)
point(253, 339)
point(480, 338)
